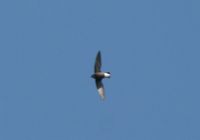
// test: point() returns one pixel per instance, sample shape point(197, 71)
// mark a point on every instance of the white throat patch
point(106, 75)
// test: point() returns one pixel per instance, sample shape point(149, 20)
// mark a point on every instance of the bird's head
point(107, 74)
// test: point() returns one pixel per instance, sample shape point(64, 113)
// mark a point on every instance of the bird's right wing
point(100, 89)
point(97, 65)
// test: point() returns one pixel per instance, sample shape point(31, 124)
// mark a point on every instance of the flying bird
point(99, 75)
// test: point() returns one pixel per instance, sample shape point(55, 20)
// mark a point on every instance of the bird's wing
point(100, 89)
point(97, 65)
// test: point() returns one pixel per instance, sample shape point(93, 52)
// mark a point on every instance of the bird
point(98, 76)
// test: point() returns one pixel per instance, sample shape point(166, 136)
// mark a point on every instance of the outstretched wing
point(100, 89)
point(97, 66)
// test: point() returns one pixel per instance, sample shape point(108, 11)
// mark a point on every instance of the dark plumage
point(98, 75)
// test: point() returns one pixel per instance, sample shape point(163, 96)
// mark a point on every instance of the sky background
point(47, 53)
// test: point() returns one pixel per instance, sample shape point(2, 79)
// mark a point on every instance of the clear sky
point(47, 53)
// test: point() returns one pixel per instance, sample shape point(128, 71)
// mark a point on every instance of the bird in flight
point(99, 75)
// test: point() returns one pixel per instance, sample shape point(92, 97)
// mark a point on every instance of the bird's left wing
point(100, 88)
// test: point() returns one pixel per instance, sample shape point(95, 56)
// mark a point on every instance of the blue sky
point(47, 53)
